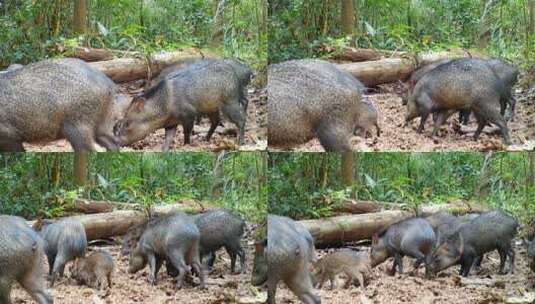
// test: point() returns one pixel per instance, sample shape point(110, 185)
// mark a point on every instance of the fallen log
point(356, 55)
point(356, 207)
point(335, 231)
point(105, 225)
point(90, 207)
point(128, 69)
point(372, 73)
point(117, 223)
point(92, 54)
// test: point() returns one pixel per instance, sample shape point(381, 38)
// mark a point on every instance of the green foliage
point(41, 184)
point(301, 183)
point(33, 30)
point(298, 27)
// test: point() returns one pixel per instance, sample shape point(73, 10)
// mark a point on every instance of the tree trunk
point(531, 17)
point(323, 170)
point(347, 168)
point(338, 230)
point(387, 70)
point(483, 183)
point(80, 168)
point(484, 31)
point(80, 17)
point(348, 20)
point(531, 177)
point(56, 170)
point(128, 69)
point(217, 176)
point(217, 26)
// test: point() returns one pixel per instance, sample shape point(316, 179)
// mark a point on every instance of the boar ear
point(259, 246)
point(138, 103)
point(38, 225)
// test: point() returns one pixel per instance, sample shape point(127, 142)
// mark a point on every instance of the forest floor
point(222, 286)
point(451, 137)
point(224, 138)
point(486, 286)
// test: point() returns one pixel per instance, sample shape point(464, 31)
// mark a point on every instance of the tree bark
point(357, 206)
point(128, 69)
point(336, 231)
point(92, 54)
point(484, 28)
point(387, 70)
point(356, 54)
point(531, 176)
point(80, 16)
point(90, 207)
point(80, 168)
point(483, 177)
point(217, 175)
point(217, 26)
point(348, 17)
point(347, 168)
point(531, 17)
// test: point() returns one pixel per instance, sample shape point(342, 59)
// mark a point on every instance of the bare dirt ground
point(452, 137)
point(222, 286)
point(484, 287)
point(224, 138)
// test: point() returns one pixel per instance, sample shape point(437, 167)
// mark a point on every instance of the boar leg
point(322, 277)
point(333, 137)
point(51, 260)
point(301, 286)
point(467, 261)
point(512, 102)
point(493, 116)
point(477, 263)
point(464, 116)
point(441, 118)
point(211, 259)
point(355, 276)
point(5, 294)
point(378, 130)
point(272, 290)
point(154, 265)
point(511, 255)
point(170, 133)
point(215, 119)
point(234, 249)
point(424, 108)
point(398, 261)
point(192, 258)
point(81, 138)
point(177, 259)
point(187, 126)
point(332, 280)
point(236, 114)
point(108, 142)
point(33, 284)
